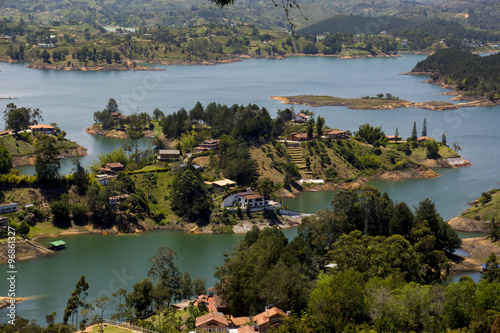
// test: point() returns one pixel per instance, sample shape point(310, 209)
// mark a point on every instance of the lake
point(111, 262)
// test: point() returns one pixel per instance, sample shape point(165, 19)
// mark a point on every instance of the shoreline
point(129, 67)
point(27, 160)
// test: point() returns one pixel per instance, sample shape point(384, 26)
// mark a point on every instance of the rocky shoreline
point(127, 67)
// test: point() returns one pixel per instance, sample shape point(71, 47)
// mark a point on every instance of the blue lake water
point(71, 98)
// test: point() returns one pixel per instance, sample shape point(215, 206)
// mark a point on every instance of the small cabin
point(10, 207)
point(168, 154)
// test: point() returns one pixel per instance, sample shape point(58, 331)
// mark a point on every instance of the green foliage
point(20, 118)
point(371, 135)
point(60, 212)
point(472, 73)
point(47, 163)
point(140, 298)
point(337, 299)
point(432, 149)
point(189, 195)
point(262, 271)
point(5, 160)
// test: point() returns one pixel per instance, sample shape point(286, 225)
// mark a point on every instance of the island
point(379, 102)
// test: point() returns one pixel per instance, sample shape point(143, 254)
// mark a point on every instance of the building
point(207, 145)
point(103, 179)
point(46, 46)
point(337, 134)
point(269, 318)
point(300, 118)
point(4, 222)
point(10, 207)
point(299, 136)
point(393, 138)
point(165, 155)
point(43, 128)
point(118, 198)
point(424, 138)
point(211, 322)
point(113, 167)
point(221, 185)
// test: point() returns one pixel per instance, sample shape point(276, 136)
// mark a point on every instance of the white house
point(8, 208)
point(250, 200)
point(300, 118)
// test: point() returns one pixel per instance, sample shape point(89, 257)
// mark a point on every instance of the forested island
point(471, 75)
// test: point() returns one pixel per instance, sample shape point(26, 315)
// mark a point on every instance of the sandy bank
point(465, 224)
point(25, 249)
point(6, 301)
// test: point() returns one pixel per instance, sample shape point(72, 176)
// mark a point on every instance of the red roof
point(211, 317)
point(264, 317)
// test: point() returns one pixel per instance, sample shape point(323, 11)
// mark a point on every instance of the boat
point(57, 245)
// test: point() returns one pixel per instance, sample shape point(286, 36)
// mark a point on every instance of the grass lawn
point(420, 152)
point(109, 329)
point(486, 211)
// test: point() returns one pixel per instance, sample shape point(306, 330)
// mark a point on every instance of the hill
point(470, 73)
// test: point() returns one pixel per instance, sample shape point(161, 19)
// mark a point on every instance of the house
point(337, 134)
point(207, 145)
point(211, 322)
point(103, 180)
point(424, 138)
point(46, 46)
point(221, 185)
point(8, 208)
point(393, 138)
point(168, 154)
point(43, 128)
point(246, 329)
point(113, 167)
point(118, 198)
point(4, 222)
point(299, 136)
point(269, 318)
point(253, 201)
point(300, 118)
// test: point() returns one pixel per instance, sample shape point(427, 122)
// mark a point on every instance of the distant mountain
point(355, 24)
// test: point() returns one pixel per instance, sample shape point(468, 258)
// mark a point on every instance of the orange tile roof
point(41, 127)
point(240, 321)
point(246, 329)
point(263, 317)
point(207, 318)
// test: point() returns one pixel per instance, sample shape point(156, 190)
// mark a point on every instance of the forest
point(470, 73)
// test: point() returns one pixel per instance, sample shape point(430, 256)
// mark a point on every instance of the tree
point(414, 136)
point(491, 271)
point(5, 160)
point(135, 132)
point(76, 300)
point(424, 128)
point(196, 113)
point(443, 140)
point(337, 299)
point(265, 187)
point(189, 195)
point(60, 213)
point(122, 311)
point(396, 135)
point(47, 162)
point(112, 106)
point(23, 228)
point(140, 298)
point(456, 147)
point(86, 34)
point(158, 114)
point(81, 178)
point(100, 304)
point(371, 135)
point(319, 126)
point(310, 129)
point(20, 118)
point(45, 56)
point(432, 149)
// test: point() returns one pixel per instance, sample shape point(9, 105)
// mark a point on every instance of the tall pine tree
point(424, 128)
point(414, 132)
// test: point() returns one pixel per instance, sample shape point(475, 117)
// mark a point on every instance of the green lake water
point(111, 262)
